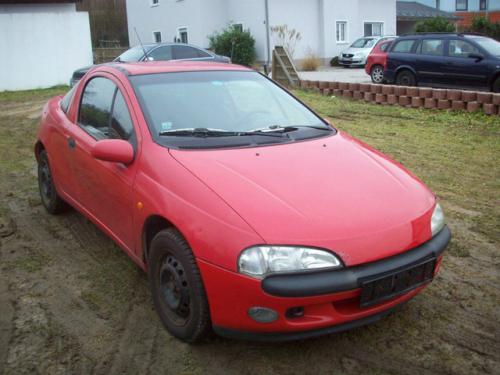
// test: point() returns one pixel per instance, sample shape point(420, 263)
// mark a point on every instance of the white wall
point(314, 19)
point(42, 45)
point(166, 17)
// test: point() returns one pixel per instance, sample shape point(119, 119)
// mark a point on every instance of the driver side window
point(103, 111)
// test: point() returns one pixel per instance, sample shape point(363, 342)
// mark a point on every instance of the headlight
point(260, 261)
point(437, 220)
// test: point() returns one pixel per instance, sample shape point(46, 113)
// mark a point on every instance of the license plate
point(383, 288)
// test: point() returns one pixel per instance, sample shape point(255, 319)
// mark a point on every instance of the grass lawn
point(72, 302)
point(457, 154)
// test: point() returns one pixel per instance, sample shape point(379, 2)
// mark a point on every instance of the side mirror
point(476, 56)
point(114, 151)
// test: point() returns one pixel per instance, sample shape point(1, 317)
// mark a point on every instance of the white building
point(42, 43)
point(327, 26)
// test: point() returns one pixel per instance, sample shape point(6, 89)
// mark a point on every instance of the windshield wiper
point(291, 128)
point(205, 132)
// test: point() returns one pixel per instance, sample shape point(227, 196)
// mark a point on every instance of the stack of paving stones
point(411, 97)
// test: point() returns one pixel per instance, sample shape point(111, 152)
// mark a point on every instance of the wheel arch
point(151, 227)
point(494, 77)
point(39, 147)
point(401, 68)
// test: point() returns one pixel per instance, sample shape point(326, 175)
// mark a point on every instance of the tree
point(435, 25)
point(287, 38)
point(235, 43)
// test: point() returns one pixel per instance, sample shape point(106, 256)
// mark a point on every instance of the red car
point(251, 214)
point(376, 62)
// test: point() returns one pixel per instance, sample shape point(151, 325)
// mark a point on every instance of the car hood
point(333, 193)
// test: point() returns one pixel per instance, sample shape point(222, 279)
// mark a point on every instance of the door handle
point(71, 143)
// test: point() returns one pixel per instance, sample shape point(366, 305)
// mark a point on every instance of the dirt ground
point(71, 302)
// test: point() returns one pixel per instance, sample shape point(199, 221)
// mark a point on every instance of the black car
point(443, 60)
point(159, 52)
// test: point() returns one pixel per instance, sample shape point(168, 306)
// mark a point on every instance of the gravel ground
point(337, 74)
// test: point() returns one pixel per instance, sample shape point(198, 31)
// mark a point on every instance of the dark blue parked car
point(443, 60)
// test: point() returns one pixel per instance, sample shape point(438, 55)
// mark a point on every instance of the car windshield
point(490, 45)
point(134, 54)
point(363, 43)
point(221, 105)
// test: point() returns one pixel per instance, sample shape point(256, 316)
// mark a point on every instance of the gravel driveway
point(338, 74)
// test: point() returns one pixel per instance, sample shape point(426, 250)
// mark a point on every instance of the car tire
point(406, 78)
point(377, 74)
point(496, 85)
point(177, 288)
point(52, 202)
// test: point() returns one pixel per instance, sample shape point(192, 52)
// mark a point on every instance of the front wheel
point(178, 292)
point(377, 74)
point(406, 78)
point(496, 85)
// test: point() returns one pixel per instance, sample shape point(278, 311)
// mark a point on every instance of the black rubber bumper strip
point(326, 282)
point(290, 336)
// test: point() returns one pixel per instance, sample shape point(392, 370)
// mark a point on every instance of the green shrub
point(334, 61)
point(483, 26)
point(237, 44)
point(435, 25)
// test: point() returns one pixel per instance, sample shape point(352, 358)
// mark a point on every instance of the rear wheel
point(52, 202)
point(406, 78)
point(177, 288)
point(496, 85)
point(377, 74)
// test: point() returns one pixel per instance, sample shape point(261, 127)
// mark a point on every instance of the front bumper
point(352, 62)
point(331, 300)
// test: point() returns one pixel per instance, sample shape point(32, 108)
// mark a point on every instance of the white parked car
point(358, 52)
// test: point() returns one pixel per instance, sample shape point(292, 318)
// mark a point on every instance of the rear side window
point(385, 46)
point(404, 46)
point(161, 53)
point(185, 52)
point(66, 100)
point(95, 107)
point(461, 48)
point(432, 47)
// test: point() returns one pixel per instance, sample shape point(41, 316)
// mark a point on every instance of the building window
point(155, 3)
point(157, 36)
point(483, 4)
point(238, 27)
point(341, 29)
point(462, 5)
point(374, 28)
point(183, 34)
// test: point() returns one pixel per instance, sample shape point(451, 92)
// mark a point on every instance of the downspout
point(268, 34)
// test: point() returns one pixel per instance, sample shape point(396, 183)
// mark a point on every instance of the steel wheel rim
point(174, 291)
point(378, 74)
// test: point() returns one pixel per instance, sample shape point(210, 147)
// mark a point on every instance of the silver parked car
point(358, 52)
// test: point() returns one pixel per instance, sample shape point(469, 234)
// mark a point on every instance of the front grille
point(347, 55)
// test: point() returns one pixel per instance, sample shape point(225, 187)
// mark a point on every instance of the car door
point(430, 62)
point(104, 188)
point(462, 69)
point(183, 52)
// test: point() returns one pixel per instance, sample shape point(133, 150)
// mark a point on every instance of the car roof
point(154, 45)
point(173, 66)
point(438, 34)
